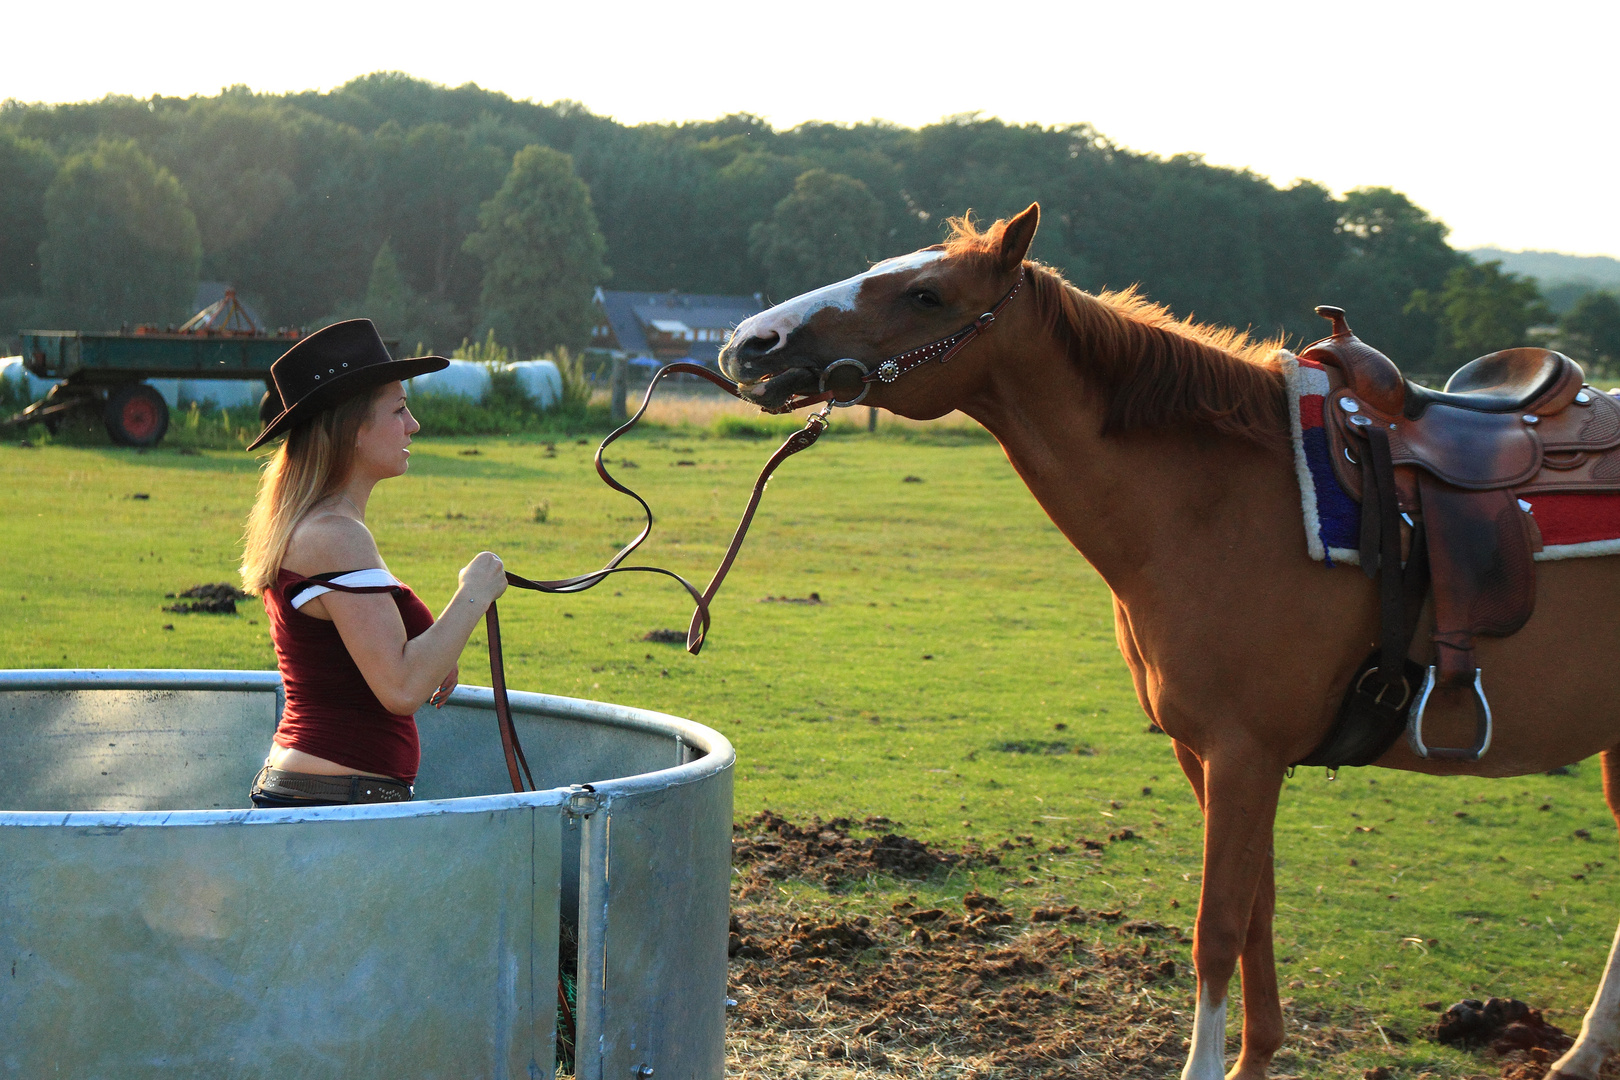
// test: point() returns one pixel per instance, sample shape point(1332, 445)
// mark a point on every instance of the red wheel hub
point(140, 418)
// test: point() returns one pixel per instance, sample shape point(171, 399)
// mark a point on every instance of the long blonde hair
point(312, 463)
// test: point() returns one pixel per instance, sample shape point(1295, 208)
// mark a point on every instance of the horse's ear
point(1016, 237)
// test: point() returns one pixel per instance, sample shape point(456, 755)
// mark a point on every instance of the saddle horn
point(1371, 375)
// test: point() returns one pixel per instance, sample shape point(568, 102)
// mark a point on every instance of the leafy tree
point(431, 182)
point(314, 250)
point(121, 242)
point(645, 184)
point(1481, 309)
point(1392, 248)
point(27, 166)
point(542, 253)
point(388, 298)
point(830, 227)
point(732, 199)
point(1590, 331)
point(234, 158)
point(296, 193)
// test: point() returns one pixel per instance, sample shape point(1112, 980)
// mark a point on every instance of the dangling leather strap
point(1383, 509)
point(510, 746)
point(803, 439)
point(697, 631)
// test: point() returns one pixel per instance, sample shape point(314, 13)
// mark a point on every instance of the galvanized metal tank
point(153, 926)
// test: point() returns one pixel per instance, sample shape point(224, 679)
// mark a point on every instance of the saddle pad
point(1572, 526)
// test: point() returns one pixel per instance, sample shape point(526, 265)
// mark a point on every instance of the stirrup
point(1482, 728)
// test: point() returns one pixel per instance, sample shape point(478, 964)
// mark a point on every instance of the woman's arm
point(403, 674)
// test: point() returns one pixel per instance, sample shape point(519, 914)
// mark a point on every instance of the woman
point(358, 651)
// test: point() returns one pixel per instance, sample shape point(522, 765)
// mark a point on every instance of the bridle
point(940, 350)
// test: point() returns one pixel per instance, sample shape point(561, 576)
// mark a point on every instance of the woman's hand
point(483, 579)
point(442, 694)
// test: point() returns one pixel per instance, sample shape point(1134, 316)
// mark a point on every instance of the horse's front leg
point(1237, 792)
point(1600, 1031)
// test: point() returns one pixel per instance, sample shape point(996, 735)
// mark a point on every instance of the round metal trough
point(152, 925)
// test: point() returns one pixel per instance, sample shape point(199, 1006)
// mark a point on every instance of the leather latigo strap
point(1381, 555)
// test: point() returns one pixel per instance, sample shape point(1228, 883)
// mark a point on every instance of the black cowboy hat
point(334, 363)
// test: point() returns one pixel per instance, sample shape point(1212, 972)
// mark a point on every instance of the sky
point(1496, 117)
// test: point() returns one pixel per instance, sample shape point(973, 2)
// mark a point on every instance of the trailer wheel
point(136, 415)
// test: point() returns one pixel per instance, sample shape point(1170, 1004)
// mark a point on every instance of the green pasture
point(958, 676)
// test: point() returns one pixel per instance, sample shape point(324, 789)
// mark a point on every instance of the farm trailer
point(107, 372)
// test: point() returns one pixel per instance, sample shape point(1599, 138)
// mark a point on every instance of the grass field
point(959, 676)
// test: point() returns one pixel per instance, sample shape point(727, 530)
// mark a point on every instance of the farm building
point(669, 325)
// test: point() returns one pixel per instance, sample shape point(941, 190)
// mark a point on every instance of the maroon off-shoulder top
point(330, 711)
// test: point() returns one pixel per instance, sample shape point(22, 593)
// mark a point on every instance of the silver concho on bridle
point(865, 386)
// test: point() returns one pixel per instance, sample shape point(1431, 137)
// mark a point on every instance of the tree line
point(445, 213)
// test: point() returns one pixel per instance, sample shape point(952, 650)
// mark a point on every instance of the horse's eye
point(925, 298)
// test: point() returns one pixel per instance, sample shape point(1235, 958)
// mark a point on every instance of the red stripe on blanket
point(1310, 410)
point(1576, 519)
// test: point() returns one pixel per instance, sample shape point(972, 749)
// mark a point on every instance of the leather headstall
point(939, 350)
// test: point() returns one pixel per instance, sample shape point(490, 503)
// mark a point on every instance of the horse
point(1161, 448)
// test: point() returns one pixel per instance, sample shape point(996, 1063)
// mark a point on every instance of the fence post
point(871, 419)
point(621, 375)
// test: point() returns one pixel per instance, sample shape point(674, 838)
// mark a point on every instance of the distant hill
point(1550, 268)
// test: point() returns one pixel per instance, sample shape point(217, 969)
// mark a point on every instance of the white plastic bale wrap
point(12, 371)
point(540, 380)
point(463, 378)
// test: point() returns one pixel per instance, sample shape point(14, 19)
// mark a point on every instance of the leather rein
point(698, 629)
point(940, 350)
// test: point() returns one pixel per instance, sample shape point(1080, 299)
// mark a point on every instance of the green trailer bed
point(107, 372)
point(108, 359)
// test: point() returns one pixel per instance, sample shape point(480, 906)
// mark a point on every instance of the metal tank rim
point(717, 751)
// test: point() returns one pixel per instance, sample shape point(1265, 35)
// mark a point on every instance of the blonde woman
point(357, 650)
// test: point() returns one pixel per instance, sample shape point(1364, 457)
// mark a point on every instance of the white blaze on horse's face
point(789, 315)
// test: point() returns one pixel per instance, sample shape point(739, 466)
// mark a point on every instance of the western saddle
point(1461, 468)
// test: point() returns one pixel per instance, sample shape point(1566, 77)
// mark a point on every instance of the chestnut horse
point(1161, 448)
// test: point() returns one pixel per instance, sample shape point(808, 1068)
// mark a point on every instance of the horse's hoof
point(1560, 1074)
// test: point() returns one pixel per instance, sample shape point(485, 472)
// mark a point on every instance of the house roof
point(629, 314)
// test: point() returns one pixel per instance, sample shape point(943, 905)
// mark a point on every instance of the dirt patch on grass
point(837, 984)
point(216, 599)
point(769, 847)
point(970, 991)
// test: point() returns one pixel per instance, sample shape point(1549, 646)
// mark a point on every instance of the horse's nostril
point(757, 346)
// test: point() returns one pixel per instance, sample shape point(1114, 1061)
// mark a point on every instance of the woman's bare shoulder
point(325, 543)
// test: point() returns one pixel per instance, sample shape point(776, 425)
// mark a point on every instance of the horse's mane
point(1154, 369)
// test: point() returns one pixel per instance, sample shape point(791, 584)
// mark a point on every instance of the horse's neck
point(1143, 508)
